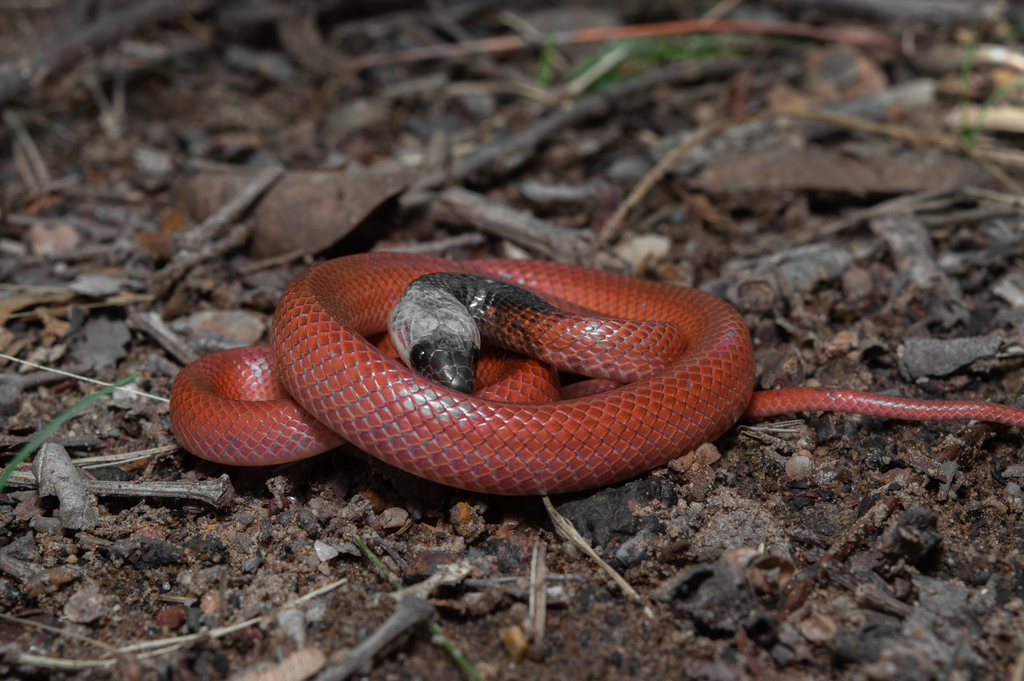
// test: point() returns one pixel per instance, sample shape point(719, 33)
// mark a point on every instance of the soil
point(172, 166)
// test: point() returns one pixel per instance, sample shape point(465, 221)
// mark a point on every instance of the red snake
point(350, 390)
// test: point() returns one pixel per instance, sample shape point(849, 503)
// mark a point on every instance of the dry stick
point(218, 493)
point(855, 534)
point(538, 591)
point(124, 457)
point(460, 206)
point(941, 12)
point(58, 631)
point(37, 166)
point(436, 634)
point(412, 611)
point(272, 261)
point(80, 378)
point(433, 246)
point(66, 50)
point(609, 33)
point(165, 278)
point(614, 224)
point(905, 204)
point(153, 324)
point(566, 531)
point(209, 229)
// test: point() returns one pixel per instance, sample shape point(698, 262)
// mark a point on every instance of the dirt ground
point(846, 174)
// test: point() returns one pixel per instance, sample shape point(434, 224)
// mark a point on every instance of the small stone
point(1012, 489)
point(426, 563)
point(818, 628)
point(798, 466)
point(643, 250)
point(921, 357)
point(628, 169)
point(324, 552)
point(86, 605)
point(170, 618)
point(842, 343)
point(857, 283)
point(355, 114)
point(466, 521)
point(377, 503)
point(394, 518)
point(706, 454)
point(10, 399)
point(515, 642)
point(783, 368)
point(756, 295)
point(155, 165)
point(209, 603)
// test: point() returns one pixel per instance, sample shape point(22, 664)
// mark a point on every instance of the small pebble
point(393, 518)
point(515, 642)
point(798, 466)
point(170, 618)
point(209, 603)
point(818, 628)
point(324, 552)
point(86, 605)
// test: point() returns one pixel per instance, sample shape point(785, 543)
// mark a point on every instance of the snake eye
point(418, 358)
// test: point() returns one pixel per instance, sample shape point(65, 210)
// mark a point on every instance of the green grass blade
point(78, 406)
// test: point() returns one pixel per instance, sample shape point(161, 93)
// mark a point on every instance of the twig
point(435, 631)
point(39, 174)
point(154, 648)
point(165, 645)
point(63, 52)
point(58, 631)
point(82, 378)
point(124, 457)
point(273, 261)
point(218, 493)
point(566, 531)
point(904, 204)
point(412, 611)
point(610, 33)
point(613, 225)
point(209, 229)
point(165, 278)
point(941, 12)
point(462, 207)
point(434, 245)
point(153, 324)
point(856, 533)
point(538, 591)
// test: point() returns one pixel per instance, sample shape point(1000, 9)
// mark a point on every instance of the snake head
point(448, 361)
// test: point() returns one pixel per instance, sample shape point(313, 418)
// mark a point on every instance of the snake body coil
point(692, 377)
